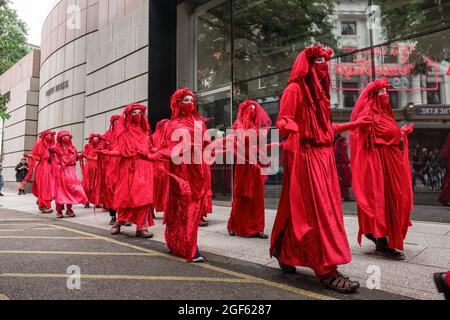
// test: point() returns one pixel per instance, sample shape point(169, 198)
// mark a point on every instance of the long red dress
point(343, 166)
point(309, 226)
point(445, 195)
point(247, 217)
point(41, 165)
point(382, 180)
point(91, 181)
point(133, 196)
point(69, 189)
point(189, 196)
point(161, 180)
point(109, 166)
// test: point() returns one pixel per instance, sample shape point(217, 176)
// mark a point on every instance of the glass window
point(400, 18)
point(213, 48)
point(268, 34)
point(348, 28)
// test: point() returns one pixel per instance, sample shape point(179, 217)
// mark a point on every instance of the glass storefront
point(244, 49)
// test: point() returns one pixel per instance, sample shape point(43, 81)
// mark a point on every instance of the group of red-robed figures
point(128, 170)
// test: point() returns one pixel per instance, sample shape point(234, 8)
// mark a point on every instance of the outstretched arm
point(363, 123)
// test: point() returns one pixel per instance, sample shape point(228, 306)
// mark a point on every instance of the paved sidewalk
point(427, 247)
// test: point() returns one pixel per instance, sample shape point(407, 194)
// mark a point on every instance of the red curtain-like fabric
point(161, 179)
point(309, 226)
point(382, 180)
point(343, 166)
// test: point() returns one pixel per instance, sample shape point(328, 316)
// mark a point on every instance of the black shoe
point(371, 238)
point(1, 194)
point(384, 250)
point(87, 206)
point(144, 234)
point(232, 234)
point(113, 221)
point(440, 279)
point(23, 192)
point(198, 257)
point(261, 235)
point(287, 268)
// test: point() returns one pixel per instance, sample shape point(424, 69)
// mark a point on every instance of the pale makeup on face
point(136, 112)
point(188, 99)
point(253, 107)
point(382, 91)
point(320, 60)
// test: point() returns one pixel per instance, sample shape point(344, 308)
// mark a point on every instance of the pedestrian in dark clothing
point(21, 173)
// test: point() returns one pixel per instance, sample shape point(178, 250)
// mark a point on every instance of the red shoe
point(70, 214)
point(59, 215)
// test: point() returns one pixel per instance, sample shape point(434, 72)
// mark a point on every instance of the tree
point(13, 43)
point(267, 34)
point(402, 19)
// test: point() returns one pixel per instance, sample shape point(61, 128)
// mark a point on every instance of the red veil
point(368, 179)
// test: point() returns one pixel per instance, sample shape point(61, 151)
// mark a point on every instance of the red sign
point(399, 74)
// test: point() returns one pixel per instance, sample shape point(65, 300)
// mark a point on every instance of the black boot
point(384, 250)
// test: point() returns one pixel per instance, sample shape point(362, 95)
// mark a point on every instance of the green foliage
point(13, 44)
point(405, 18)
point(3, 114)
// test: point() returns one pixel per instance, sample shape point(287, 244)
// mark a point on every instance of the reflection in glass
point(213, 48)
point(268, 34)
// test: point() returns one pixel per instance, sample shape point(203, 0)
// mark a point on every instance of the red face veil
point(182, 105)
point(252, 115)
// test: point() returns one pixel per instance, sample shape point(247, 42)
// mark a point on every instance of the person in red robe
point(189, 197)
point(109, 169)
point(444, 197)
point(133, 195)
point(69, 190)
point(91, 183)
point(161, 180)
point(41, 166)
point(247, 217)
point(382, 178)
point(309, 225)
point(343, 166)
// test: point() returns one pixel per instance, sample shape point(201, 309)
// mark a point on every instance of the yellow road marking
point(12, 219)
point(11, 230)
point(75, 253)
point(125, 277)
point(22, 224)
point(48, 238)
point(255, 280)
point(43, 229)
point(3, 297)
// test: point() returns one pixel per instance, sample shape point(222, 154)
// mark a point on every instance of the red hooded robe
point(309, 226)
point(40, 165)
point(91, 183)
point(109, 166)
point(247, 215)
point(189, 197)
point(69, 189)
point(133, 196)
point(382, 180)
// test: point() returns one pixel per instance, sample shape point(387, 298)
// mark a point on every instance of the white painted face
point(320, 60)
point(188, 99)
point(253, 107)
point(382, 91)
point(136, 112)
